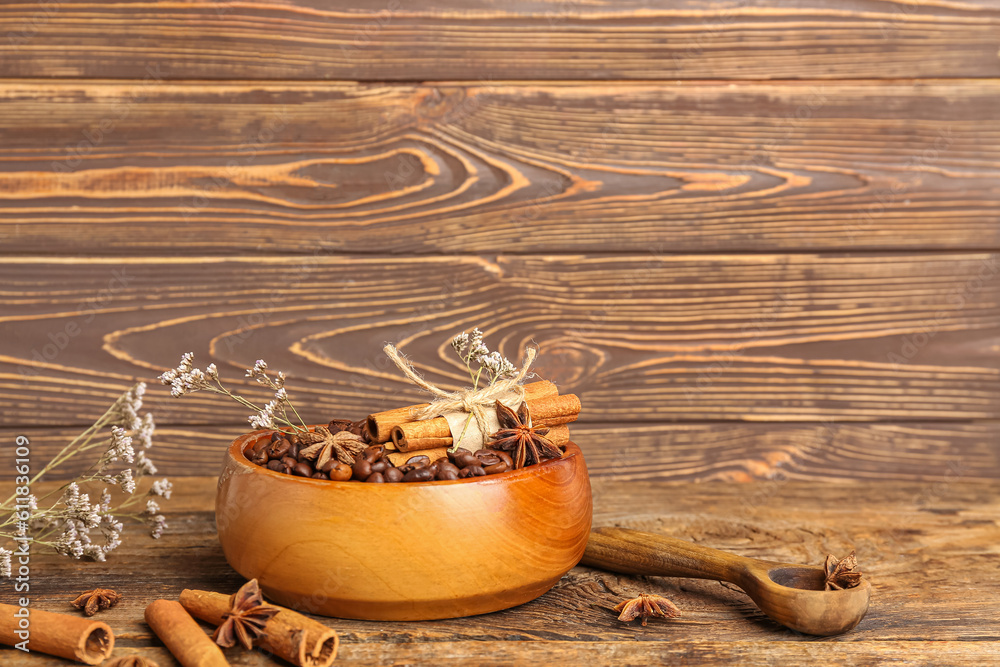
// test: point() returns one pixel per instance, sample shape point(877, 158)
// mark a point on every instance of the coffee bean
point(293, 451)
point(278, 449)
point(471, 471)
point(261, 446)
point(338, 471)
point(338, 425)
point(492, 462)
point(487, 457)
point(276, 435)
point(447, 468)
point(376, 478)
point(393, 475)
point(260, 458)
point(506, 458)
point(303, 470)
point(405, 468)
point(418, 475)
point(465, 459)
point(286, 469)
point(373, 453)
point(380, 465)
point(362, 469)
point(419, 461)
point(289, 461)
point(320, 475)
point(293, 439)
point(433, 468)
point(276, 466)
point(461, 451)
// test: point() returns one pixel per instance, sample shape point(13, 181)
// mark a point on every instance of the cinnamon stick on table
point(63, 635)
point(182, 635)
point(289, 635)
point(545, 411)
point(380, 423)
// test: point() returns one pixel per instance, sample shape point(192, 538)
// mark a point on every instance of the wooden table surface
point(931, 551)
point(759, 238)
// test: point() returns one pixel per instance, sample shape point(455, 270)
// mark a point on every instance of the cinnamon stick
point(182, 635)
point(380, 424)
point(63, 635)
point(289, 635)
point(400, 458)
point(545, 411)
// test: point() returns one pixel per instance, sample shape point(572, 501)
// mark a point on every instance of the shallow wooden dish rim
point(237, 448)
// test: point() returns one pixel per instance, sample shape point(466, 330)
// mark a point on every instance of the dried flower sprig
point(65, 525)
point(477, 358)
point(186, 379)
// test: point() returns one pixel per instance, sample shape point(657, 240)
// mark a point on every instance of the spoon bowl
point(790, 594)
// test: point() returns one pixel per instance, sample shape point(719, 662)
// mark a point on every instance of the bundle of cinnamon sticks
point(545, 405)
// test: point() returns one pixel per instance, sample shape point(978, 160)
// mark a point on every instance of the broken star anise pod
point(646, 606)
point(246, 619)
point(323, 445)
point(96, 600)
point(840, 574)
point(526, 444)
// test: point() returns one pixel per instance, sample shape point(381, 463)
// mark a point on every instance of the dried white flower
point(185, 378)
point(162, 487)
point(143, 466)
point(157, 525)
point(152, 507)
point(460, 342)
point(144, 434)
point(93, 551)
point(258, 372)
point(105, 505)
point(125, 481)
point(212, 372)
point(5, 562)
point(264, 418)
point(120, 448)
point(498, 366)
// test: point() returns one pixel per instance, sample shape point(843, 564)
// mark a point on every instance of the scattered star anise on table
point(96, 600)
point(246, 619)
point(130, 661)
point(646, 606)
point(324, 445)
point(526, 444)
point(840, 574)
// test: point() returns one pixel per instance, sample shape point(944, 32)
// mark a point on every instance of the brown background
point(733, 228)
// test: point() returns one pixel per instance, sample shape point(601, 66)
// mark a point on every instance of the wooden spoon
point(792, 595)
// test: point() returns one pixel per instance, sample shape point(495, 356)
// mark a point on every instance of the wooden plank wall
point(760, 239)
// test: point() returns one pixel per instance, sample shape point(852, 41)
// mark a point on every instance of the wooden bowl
point(403, 552)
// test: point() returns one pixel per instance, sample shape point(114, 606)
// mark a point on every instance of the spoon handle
point(635, 552)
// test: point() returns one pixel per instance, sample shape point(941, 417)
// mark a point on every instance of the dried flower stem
point(72, 516)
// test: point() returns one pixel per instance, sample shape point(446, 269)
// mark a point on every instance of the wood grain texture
point(922, 546)
point(640, 339)
point(228, 168)
point(399, 40)
point(830, 452)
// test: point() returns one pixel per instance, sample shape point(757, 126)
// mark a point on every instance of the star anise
point(130, 661)
point(246, 619)
point(646, 606)
point(840, 574)
point(96, 600)
point(324, 445)
point(516, 435)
